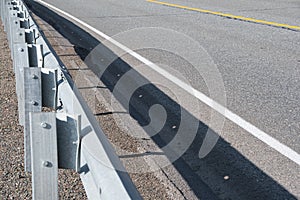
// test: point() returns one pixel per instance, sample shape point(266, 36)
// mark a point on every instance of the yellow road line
point(228, 15)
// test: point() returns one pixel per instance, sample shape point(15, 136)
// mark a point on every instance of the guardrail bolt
point(34, 103)
point(47, 164)
point(44, 124)
point(75, 142)
point(34, 76)
point(21, 50)
point(20, 34)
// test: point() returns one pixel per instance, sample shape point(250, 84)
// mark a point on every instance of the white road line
point(256, 132)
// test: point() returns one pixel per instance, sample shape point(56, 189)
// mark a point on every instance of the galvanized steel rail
point(67, 138)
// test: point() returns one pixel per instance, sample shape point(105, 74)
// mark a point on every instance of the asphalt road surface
point(257, 77)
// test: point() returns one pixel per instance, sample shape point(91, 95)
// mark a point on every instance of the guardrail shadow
point(246, 180)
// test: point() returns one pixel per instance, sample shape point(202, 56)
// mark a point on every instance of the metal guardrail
point(67, 138)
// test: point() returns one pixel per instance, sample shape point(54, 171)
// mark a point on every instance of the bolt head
point(44, 124)
point(34, 76)
point(34, 103)
point(47, 164)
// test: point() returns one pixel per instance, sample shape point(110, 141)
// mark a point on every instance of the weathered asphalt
point(259, 65)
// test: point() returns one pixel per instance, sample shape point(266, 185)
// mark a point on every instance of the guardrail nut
point(34, 103)
point(44, 124)
point(47, 164)
point(34, 76)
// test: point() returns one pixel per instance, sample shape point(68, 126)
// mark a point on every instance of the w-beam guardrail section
point(69, 137)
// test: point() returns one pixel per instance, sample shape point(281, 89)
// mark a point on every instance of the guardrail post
point(21, 60)
point(35, 55)
point(2, 9)
point(68, 141)
point(32, 103)
point(8, 8)
point(14, 25)
point(44, 156)
point(49, 88)
point(24, 23)
point(30, 36)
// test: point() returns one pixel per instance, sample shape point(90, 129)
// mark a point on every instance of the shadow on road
point(246, 180)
